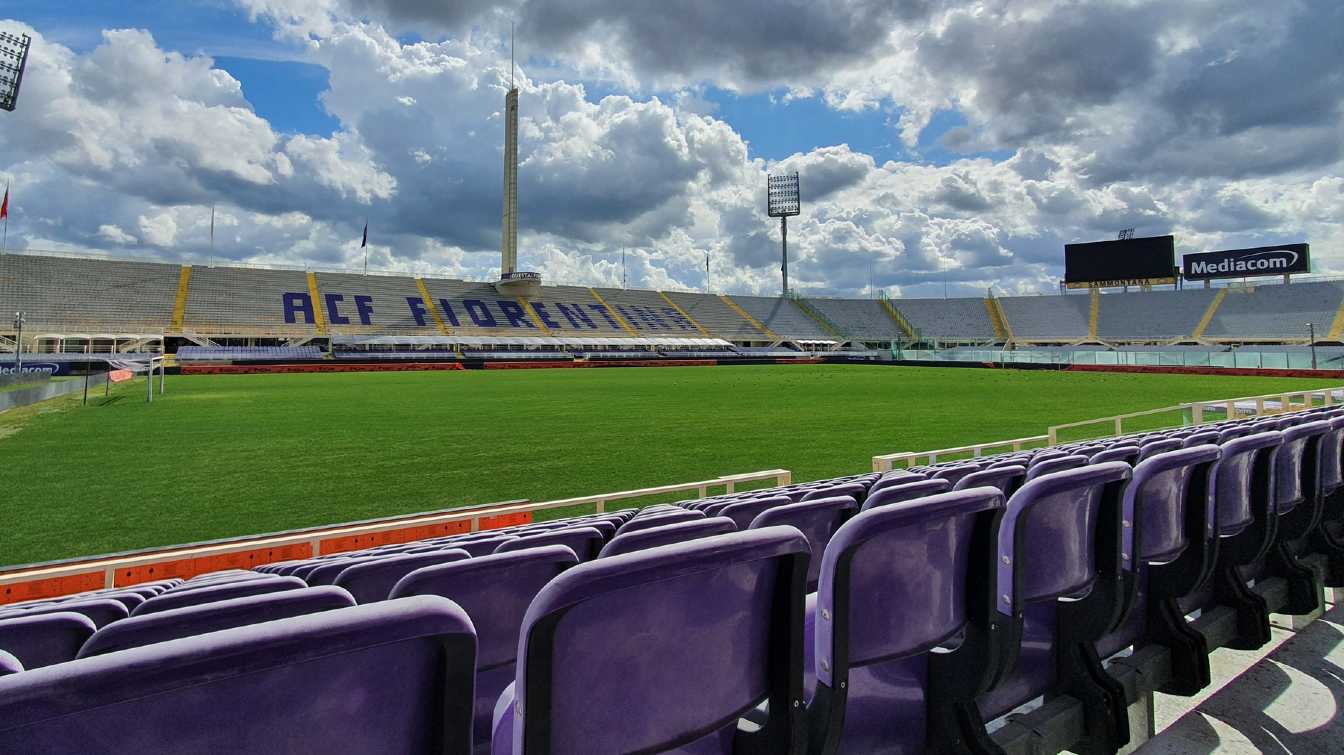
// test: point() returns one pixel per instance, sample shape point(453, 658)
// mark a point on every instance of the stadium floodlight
point(782, 201)
point(13, 59)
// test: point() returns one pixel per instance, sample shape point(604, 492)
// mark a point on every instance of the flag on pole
point(4, 207)
point(365, 241)
point(212, 226)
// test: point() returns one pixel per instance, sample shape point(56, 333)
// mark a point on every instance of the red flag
point(4, 207)
point(362, 244)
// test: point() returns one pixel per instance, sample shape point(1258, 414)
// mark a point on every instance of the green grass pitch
point(220, 456)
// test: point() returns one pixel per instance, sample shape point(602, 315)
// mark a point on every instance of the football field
point(221, 456)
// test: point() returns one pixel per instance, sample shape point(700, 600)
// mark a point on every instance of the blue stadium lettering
point(625, 313)
point(651, 317)
point(448, 313)
point(479, 313)
point(544, 316)
point(514, 312)
point(601, 310)
point(334, 315)
point(677, 318)
point(576, 316)
point(364, 306)
point(417, 306)
point(297, 303)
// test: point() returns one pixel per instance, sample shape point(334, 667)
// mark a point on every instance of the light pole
point(19, 320)
point(1311, 329)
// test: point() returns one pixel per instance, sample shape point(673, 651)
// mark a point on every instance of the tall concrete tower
point(508, 245)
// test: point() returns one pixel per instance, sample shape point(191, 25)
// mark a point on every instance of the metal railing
point(310, 541)
point(1190, 413)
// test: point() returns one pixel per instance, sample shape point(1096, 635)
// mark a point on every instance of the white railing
point(886, 462)
point(312, 539)
point(1191, 413)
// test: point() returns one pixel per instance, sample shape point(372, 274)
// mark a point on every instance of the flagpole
point(4, 245)
point(212, 234)
point(365, 244)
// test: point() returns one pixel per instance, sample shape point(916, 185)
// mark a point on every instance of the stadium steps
point(1208, 315)
point(1093, 312)
point(432, 307)
point(180, 305)
point(899, 318)
point(1002, 331)
point(319, 316)
point(757, 324)
point(683, 313)
point(614, 314)
point(532, 315)
point(1337, 325)
point(822, 320)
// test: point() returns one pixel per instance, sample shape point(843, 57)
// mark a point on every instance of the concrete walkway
point(1287, 697)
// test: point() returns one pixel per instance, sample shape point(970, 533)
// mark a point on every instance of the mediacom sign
point(1238, 263)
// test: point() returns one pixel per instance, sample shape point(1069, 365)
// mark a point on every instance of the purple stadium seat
point(1200, 438)
point(393, 677)
point(1058, 586)
point(818, 520)
point(895, 477)
point(744, 512)
point(896, 581)
point(857, 491)
point(954, 473)
point(482, 546)
point(1129, 454)
point(1167, 552)
point(1055, 464)
point(1158, 446)
point(179, 598)
point(1007, 478)
point(495, 591)
point(212, 617)
point(44, 639)
point(906, 492)
point(100, 610)
point(326, 572)
point(698, 634)
point(585, 542)
point(9, 664)
point(371, 581)
point(630, 542)
point(672, 517)
point(126, 598)
point(1297, 498)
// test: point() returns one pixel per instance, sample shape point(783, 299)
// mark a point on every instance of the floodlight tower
point(512, 281)
point(782, 201)
point(13, 59)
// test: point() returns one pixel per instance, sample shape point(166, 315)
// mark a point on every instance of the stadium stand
point(862, 319)
point(647, 312)
point(61, 294)
point(1062, 317)
point(236, 301)
point(1276, 312)
point(1076, 594)
point(78, 304)
point(716, 316)
point(948, 319)
point(1152, 314)
point(783, 317)
point(369, 303)
point(263, 353)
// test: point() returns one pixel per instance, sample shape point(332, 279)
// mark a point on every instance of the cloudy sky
point(941, 144)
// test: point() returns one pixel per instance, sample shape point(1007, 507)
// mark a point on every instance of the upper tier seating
point(648, 313)
point(1152, 314)
point(862, 319)
point(88, 295)
point(1276, 311)
point(716, 316)
point(948, 319)
point(783, 317)
point(244, 301)
point(1055, 316)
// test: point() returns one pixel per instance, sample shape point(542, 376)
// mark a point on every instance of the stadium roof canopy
point(522, 341)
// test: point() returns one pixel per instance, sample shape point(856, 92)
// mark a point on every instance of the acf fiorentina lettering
point(481, 313)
